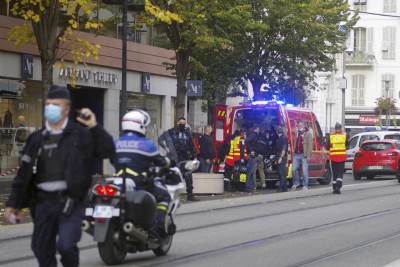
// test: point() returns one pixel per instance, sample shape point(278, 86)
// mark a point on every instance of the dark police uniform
point(56, 168)
point(136, 154)
point(184, 148)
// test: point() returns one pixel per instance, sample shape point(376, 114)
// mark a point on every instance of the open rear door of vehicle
point(220, 135)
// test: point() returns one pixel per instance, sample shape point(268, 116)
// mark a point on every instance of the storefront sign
point(194, 88)
point(369, 120)
point(26, 66)
point(86, 75)
point(145, 83)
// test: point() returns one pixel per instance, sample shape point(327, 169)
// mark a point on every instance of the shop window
point(20, 115)
point(152, 105)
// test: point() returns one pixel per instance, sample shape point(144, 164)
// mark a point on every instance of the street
point(314, 228)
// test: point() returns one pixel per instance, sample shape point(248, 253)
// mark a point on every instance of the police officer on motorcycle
point(135, 154)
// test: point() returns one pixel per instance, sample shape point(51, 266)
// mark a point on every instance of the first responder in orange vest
point(337, 157)
point(237, 154)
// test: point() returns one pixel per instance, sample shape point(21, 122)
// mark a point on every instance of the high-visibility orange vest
point(337, 151)
point(234, 152)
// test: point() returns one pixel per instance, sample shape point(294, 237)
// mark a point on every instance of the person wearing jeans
point(251, 182)
point(302, 153)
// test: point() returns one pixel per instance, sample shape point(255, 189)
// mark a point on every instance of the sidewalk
point(21, 230)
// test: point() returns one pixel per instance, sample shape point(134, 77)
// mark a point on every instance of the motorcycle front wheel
point(166, 244)
point(112, 251)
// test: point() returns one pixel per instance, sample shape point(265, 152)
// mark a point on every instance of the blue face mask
point(53, 113)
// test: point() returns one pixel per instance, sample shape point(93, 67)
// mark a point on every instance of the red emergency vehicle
point(269, 115)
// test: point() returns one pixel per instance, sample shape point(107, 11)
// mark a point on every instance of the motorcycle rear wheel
point(165, 246)
point(111, 251)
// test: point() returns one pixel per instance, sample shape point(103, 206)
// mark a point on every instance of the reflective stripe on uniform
point(162, 207)
point(128, 171)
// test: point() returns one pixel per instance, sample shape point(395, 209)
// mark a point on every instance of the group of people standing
point(249, 153)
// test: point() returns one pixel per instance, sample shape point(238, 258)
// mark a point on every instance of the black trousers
point(189, 182)
point(49, 223)
point(337, 169)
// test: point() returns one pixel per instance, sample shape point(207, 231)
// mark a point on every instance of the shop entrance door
point(92, 98)
point(88, 97)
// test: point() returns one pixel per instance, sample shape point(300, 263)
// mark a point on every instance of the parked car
point(377, 158)
point(356, 141)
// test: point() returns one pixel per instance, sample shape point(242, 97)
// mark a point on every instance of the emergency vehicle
point(270, 115)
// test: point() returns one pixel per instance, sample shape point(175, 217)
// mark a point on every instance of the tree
point(294, 39)
point(195, 29)
point(51, 25)
point(387, 106)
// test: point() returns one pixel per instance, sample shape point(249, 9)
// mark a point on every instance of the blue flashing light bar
point(260, 102)
point(266, 102)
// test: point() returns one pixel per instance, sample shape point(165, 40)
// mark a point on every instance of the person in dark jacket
point(207, 150)
point(54, 178)
point(184, 148)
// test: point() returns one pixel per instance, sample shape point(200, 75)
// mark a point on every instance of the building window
point(388, 85)
point(389, 6)
point(151, 104)
point(360, 5)
point(357, 90)
point(360, 39)
point(389, 43)
point(20, 114)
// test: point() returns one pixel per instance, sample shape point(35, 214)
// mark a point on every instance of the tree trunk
point(47, 75)
point(182, 71)
point(257, 89)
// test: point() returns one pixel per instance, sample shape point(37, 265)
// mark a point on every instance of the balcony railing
point(360, 58)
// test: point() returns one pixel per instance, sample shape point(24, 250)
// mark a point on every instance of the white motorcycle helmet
point(136, 121)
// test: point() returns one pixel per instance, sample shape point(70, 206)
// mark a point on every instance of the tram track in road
point(244, 219)
point(15, 238)
point(264, 240)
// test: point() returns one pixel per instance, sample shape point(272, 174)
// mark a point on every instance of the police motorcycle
point(120, 216)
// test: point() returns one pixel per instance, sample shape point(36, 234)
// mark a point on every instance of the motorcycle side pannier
point(140, 208)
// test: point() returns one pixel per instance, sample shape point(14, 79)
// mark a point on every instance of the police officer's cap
point(58, 92)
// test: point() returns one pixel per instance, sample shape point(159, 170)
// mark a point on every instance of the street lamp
point(134, 5)
point(387, 100)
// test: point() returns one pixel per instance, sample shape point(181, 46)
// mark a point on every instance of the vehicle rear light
point(106, 190)
point(393, 154)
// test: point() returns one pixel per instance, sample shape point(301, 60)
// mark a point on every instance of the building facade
point(150, 87)
point(371, 69)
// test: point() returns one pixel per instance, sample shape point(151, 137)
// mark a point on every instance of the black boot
point(191, 197)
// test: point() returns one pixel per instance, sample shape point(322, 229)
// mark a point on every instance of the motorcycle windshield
point(165, 141)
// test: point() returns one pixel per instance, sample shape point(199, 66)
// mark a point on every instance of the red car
point(377, 158)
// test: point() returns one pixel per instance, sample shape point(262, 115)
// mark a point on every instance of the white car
point(356, 141)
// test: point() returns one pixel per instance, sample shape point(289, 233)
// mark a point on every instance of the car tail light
point(106, 190)
point(393, 154)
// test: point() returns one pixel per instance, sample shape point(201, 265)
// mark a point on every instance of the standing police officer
point(54, 178)
point(183, 144)
point(337, 156)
